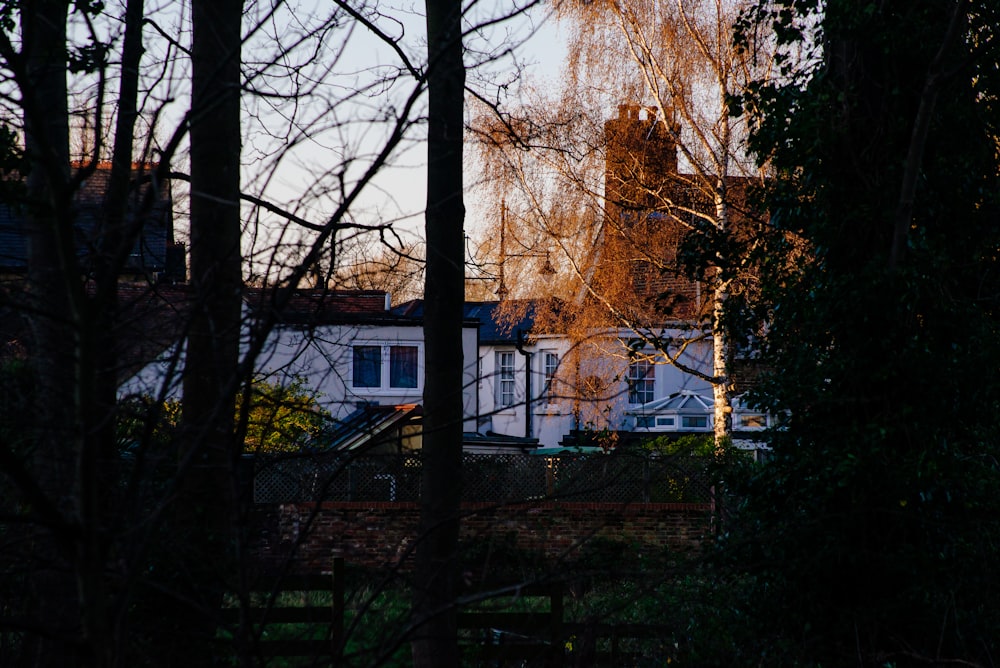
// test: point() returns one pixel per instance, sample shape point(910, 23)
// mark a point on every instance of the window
point(694, 421)
point(550, 364)
point(752, 421)
point(641, 377)
point(403, 366)
point(369, 369)
point(367, 366)
point(505, 379)
point(655, 422)
point(644, 421)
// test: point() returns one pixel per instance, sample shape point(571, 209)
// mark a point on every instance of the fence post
point(646, 480)
point(556, 631)
point(337, 624)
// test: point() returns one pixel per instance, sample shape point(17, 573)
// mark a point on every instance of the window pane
point(367, 366)
point(641, 381)
point(402, 366)
point(551, 366)
point(505, 379)
point(694, 422)
point(753, 421)
point(507, 366)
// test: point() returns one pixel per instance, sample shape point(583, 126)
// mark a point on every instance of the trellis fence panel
point(622, 478)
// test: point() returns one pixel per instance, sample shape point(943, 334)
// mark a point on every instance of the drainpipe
point(527, 382)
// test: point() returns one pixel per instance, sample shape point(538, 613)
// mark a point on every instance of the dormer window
point(367, 366)
point(385, 366)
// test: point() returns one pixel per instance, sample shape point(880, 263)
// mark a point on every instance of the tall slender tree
point(71, 306)
point(208, 450)
point(436, 582)
point(46, 146)
point(120, 560)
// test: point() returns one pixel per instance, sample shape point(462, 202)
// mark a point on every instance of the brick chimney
point(641, 156)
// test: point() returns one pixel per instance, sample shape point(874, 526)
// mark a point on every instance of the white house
point(523, 387)
point(543, 386)
point(347, 347)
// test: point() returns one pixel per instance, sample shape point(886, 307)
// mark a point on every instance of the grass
point(688, 619)
point(372, 621)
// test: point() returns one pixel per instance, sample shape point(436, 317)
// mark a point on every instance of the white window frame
point(760, 418)
point(645, 422)
point(550, 367)
point(506, 379)
point(640, 387)
point(385, 371)
point(688, 422)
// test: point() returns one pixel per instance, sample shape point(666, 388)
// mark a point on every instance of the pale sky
point(396, 194)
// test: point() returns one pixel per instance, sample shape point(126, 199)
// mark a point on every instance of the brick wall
point(381, 535)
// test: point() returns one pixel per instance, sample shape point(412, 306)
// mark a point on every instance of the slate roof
point(494, 327)
point(154, 251)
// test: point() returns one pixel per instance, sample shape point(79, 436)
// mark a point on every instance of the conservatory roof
point(684, 401)
point(363, 426)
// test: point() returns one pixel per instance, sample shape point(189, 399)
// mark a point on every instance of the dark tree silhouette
point(436, 641)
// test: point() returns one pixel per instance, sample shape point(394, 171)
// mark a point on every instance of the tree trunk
point(721, 341)
point(436, 642)
point(721, 346)
point(208, 451)
point(720, 369)
point(54, 337)
point(103, 512)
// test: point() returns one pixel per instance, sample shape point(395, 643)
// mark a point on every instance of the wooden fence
point(309, 608)
point(517, 625)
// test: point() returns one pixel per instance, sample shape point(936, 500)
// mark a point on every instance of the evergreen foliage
point(277, 418)
point(280, 418)
point(871, 532)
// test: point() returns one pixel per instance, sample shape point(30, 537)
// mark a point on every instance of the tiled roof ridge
point(317, 303)
point(106, 165)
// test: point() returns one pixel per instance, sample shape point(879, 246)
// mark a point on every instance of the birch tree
point(647, 210)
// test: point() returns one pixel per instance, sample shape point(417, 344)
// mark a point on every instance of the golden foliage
point(615, 174)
